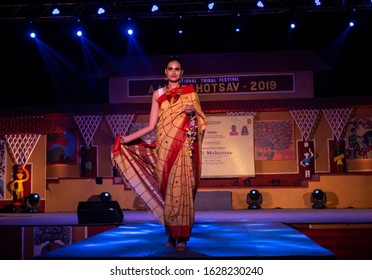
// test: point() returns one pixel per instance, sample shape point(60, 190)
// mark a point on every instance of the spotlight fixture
point(105, 196)
point(254, 199)
point(318, 199)
point(154, 8)
point(55, 11)
point(210, 5)
point(101, 11)
point(260, 4)
point(33, 203)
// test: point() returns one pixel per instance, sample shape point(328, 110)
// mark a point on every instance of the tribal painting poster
point(274, 140)
point(359, 139)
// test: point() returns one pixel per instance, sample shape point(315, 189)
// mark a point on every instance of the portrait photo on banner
point(274, 140)
point(227, 149)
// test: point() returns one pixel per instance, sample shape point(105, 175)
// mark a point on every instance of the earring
point(166, 77)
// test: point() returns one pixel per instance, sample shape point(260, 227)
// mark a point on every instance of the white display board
point(228, 147)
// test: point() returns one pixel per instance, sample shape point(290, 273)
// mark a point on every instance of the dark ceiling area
point(60, 70)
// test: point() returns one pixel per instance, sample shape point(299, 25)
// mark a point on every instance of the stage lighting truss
point(318, 199)
point(254, 199)
point(147, 9)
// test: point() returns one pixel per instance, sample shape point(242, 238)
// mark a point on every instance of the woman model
point(166, 173)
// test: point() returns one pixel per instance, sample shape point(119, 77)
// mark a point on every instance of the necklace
point(173, 95)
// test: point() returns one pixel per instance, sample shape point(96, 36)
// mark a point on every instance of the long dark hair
point(174, 58)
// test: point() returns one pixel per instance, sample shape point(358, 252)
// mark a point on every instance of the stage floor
point(230, 234)
point(210, 240)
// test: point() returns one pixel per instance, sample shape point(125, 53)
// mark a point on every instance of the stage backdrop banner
point(228, 147)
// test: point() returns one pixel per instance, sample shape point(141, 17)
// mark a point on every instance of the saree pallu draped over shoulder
point(166, 174)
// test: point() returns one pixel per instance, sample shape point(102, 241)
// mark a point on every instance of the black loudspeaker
point(99, 212)
point(275, 182)
point(99, 180)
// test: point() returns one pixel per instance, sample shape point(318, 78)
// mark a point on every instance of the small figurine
point(17, 185)
point(339, 157)
point(305, 162)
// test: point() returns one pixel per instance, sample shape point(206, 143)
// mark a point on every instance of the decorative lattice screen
point(21, 146)
point(88, 125)
point(119, 124)
point(306, 121)
point(241, 114)
point(337, 120)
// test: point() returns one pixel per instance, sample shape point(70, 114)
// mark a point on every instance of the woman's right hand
point(122, 139)
point(189, 109)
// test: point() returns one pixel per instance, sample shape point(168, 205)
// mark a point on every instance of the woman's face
point(173, 71)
